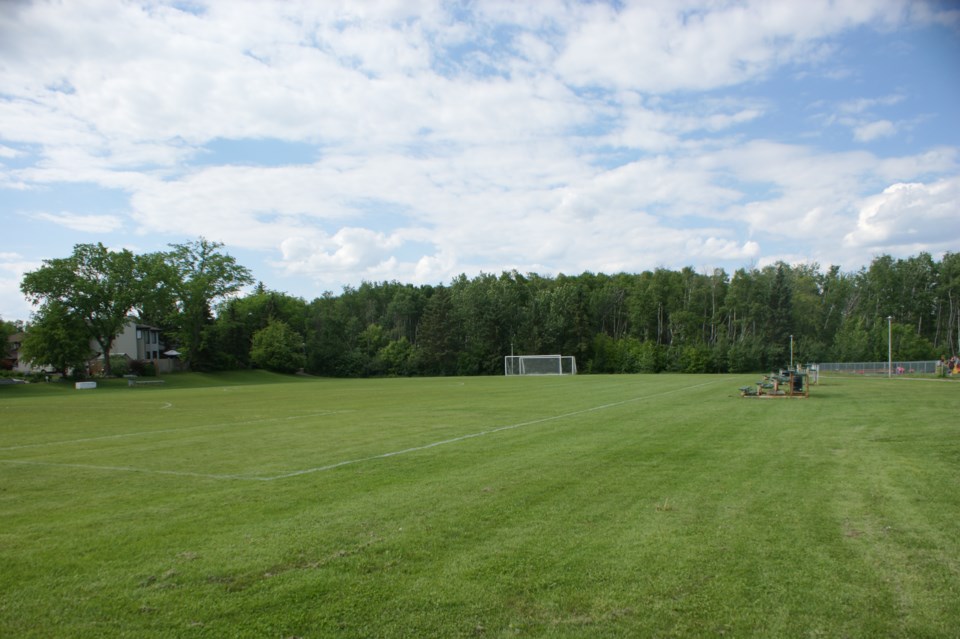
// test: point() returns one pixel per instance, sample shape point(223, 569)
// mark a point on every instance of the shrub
point(278, 348)
point(143, 368)
point(119, 365)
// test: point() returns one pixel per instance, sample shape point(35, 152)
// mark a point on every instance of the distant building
point(10, 359)
point(136, 342)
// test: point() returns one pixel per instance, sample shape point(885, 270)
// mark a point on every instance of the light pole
point(889, 346)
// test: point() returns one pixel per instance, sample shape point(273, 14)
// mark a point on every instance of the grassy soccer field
point(592, 506)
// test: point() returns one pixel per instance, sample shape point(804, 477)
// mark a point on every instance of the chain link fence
point(925, 367)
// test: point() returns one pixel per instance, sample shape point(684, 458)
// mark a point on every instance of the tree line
point(655, 321)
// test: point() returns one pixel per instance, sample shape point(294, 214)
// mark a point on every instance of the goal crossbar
point(539, 365)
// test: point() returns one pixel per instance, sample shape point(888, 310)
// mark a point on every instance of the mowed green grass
point(591, 506)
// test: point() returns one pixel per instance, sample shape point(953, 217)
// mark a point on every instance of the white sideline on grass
point(317, 469)
point(171, 430)
point(491, 431)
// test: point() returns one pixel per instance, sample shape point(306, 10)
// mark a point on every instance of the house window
point(139, 334)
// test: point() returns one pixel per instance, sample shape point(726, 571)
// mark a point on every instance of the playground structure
point(786, 383)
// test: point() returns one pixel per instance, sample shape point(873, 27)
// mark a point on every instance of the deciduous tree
point(58, 339)
point(200, 275)
point(95, 285)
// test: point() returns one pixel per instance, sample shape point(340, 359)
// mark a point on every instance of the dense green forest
point(662, 320)
point(655, 321)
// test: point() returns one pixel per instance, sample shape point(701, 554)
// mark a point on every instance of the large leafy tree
point(158, 303)
point(94, 286)
point(58, 338)
point(200, 274)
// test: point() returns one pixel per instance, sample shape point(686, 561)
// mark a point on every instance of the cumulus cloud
point(348, 249)
point(352, 251)
point(910, 215)
point(547, 136)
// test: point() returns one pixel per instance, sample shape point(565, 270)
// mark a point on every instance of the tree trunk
point(107, 370)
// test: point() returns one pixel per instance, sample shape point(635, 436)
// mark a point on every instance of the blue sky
point(331, 143)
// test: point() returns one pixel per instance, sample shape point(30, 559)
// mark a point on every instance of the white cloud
point(793, 181)
point(861, 116)
point(861, 105)
point(348, 253)
point(84, 223)
point(810, 201)
point(551, 136)
point(909, 215)
point(669, 46)
point(142, 76)
point(938, 160)
point(662, 128)
point(935, 12)
point(874, 130)
point(13, 266)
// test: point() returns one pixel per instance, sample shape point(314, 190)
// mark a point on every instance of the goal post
point(539, 365)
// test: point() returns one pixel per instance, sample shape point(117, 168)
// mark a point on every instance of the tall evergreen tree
point(439, 339)
point(780, 324)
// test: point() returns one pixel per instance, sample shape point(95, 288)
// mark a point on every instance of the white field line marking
point(170, 430)
point(166, 405)
point(131, 469)
point(491, 431)
point(348, 462)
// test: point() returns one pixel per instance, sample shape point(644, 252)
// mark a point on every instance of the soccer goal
point(539, 365)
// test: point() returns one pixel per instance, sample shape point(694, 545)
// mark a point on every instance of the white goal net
point(539, 365)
